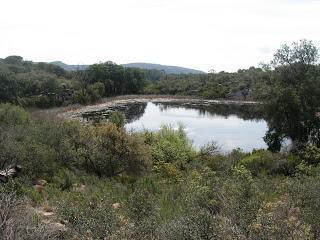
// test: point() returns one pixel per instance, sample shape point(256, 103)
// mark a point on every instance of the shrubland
point(103, 182)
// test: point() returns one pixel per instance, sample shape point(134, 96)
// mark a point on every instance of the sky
point(224, 35)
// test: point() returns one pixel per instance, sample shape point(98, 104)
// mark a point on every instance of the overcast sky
point(202, 34)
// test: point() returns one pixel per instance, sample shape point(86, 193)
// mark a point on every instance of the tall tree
point(293, 98)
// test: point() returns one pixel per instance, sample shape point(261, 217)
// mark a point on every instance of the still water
point(229, 126)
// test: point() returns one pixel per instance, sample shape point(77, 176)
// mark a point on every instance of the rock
point(41, 182)
point(64, 221)
point(39, 185)
point(47, 208)
point(59, 226)
point(11, 172)
point(81, 188)
point(38, 188)
point(47, 214)
point(55, 226)
point(3, 178)
point(116, 205)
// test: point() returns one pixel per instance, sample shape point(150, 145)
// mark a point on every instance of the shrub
point(19, 222)
point(95, 91)
point(118, 119)
point(199, 224)
point(81, 97)
point(42, 148)
point(89, 216)
point(304, 193)
point(141, 210)
point(107, 150)
point(8, 205)
point(64, 179)
point(209, 149)
point(259, 162)
point(11, 115)
point(311, 155)
point(171, 146)
point(140, 205)
point(203, 190)
point(279, 220)
point(39, 160)
point(265, 162)
point(240, 198)
point(210, 156)
point(168, 171)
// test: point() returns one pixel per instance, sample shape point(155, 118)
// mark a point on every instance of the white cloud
point(204, 34)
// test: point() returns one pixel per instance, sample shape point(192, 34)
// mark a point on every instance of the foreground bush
point(11, 115)
point(19, 222)
point(170, 146)
point(200, 224)
point(280, 220)
point(266, 162)
point(89, 216)
point(108, 150)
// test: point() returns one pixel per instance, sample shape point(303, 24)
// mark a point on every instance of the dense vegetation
point(106, 183)
point(292, 96)
point(241, 85)
point(46, 85)
point(100, 182)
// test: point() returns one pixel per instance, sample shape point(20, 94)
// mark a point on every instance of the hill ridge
point(169, 69)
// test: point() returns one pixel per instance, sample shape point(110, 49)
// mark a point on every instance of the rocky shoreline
point(78, 112)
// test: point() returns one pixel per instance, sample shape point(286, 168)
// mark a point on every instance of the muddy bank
point(109, 105)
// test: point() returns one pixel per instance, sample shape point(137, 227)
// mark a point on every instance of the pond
point(230, 126)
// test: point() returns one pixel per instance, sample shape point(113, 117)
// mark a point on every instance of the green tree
point(13, 60)
point(96, 91)
point(8, 87)
point(292, 102)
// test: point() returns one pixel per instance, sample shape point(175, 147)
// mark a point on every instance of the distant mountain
point(69, 67)
point(167, 69)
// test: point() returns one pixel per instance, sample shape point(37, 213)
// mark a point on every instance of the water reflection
point(132, 111)
point(230, 126)
point(246, 112)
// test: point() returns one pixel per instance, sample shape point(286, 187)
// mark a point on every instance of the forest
point(45, 85)
point(69, 180)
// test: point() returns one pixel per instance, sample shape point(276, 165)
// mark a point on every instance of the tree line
point(45, 85)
